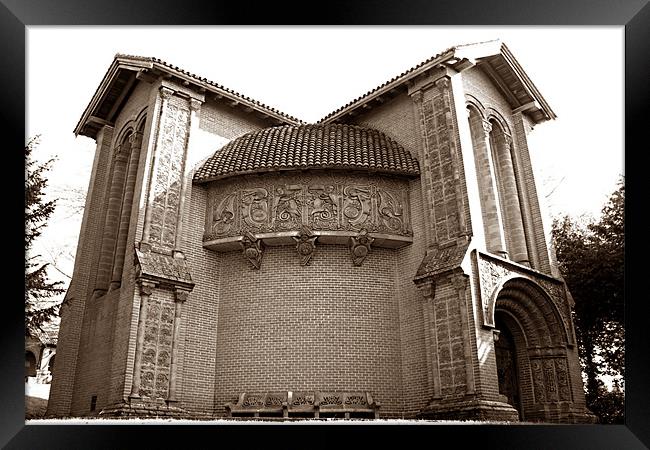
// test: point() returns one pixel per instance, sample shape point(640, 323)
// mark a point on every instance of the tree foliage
point(38, 288)
point(591, 259)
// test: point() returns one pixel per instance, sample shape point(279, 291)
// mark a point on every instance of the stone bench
point(308, 404)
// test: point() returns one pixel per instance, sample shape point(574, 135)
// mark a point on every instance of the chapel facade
point(388, 261)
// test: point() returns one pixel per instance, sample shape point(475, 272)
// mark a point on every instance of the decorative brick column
point(135, 141)
point(165, 96)
point(492, 220)
point(509, 195)
point(161, 268)
point(146, 288)
point(180, 298)
point(528, 190)
point(193, 125)
point(111, 224)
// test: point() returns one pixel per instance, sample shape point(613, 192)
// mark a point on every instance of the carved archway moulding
point(492, 275)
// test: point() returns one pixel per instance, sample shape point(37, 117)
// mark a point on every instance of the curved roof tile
point(287, 147)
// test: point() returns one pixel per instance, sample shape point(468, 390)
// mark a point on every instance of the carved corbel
point(252, 249)
point(305, 245)
point(360, 247)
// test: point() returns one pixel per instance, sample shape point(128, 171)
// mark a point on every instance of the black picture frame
point(15, 15)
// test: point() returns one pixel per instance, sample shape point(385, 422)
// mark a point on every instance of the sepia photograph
point(281, 225)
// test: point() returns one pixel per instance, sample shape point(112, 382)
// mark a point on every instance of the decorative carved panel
point(549, 380)
point(490, 275)
point(157, 348)
point(170, 150)
point(277, 203)
point(538, 380)
point(562, 373)
point(492, 272)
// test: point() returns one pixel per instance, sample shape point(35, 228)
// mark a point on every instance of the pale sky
point(308, 72)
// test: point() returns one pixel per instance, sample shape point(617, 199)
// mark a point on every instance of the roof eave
point(119, 63)
point(245, 102)
point(137, 64)
point(460, 58)
point(549, 114)
point(383, 90)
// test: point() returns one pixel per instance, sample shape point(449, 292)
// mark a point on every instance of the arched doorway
point(507, 367)
point(531, 351)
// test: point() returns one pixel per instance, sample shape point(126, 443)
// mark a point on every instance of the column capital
point(195, 104)
point(135, 139)
point(180, 295)
point(166, 93)
point(442, 82)
point(487, 126)
point(146, 287)
point(427, 287)
point(417, 97)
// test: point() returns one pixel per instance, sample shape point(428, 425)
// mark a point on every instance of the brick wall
point(326, 326)
point(72, 313)
point(220, 119)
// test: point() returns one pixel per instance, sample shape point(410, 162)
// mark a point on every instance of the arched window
point(125, 160)
point(487, 183)
point(507, 192)
point(127, 207)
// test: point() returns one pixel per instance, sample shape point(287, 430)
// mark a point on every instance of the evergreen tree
point(38, 288)
point(591, 260)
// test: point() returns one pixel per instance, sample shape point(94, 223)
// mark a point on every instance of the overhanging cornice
point(493, 57)
point(126, 71)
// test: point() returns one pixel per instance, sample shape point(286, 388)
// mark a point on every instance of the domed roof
point(290, 147)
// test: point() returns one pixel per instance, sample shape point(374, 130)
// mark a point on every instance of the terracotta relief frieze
point(551, 380)
point(172, 140)
point(157, 348)
point(321, 203)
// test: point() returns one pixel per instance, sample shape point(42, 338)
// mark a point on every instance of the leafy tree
point(591, 259)
point(38, 288)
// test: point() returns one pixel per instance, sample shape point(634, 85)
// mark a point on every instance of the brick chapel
point(388, 261)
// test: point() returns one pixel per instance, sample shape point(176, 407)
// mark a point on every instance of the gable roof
point(493, 57)
point(122, 76)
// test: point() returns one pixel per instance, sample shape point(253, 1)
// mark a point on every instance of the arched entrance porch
point(532, 352)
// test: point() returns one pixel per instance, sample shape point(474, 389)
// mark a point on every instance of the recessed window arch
point(124, 169)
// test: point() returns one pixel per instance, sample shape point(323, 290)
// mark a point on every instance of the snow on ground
point(94, 421)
